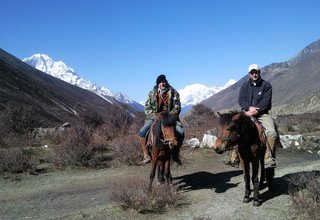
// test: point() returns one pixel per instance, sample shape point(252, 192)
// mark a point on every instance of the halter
point(166, 141)
point(229, 142)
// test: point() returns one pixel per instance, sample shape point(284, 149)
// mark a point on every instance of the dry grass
point(304, 193)
point(135, 194)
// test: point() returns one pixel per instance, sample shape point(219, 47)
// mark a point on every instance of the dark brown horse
point(162, 138)
point(238, 129)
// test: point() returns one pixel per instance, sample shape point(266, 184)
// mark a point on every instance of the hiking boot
point(146, 159)
point(270, 162)
point(231, 163)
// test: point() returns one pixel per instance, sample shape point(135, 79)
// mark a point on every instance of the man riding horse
point(255, 101)
point(162, 98)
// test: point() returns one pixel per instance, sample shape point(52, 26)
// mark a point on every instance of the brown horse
point(162, 138)
point(238, 129)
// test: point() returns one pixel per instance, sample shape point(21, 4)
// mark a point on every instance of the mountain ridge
point(60, 70)
point(53, 100)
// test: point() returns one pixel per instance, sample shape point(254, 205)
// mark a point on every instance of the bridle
point(166, 141)
point(230, 143)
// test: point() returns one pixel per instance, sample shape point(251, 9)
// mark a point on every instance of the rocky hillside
point(296, 85)
point(54, 100)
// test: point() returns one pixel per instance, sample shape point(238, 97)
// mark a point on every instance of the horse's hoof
point(256, 203)
point(246, 200)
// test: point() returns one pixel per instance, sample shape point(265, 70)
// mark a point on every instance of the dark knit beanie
point(161, 78)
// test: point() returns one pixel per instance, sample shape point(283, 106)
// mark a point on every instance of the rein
point(166, 141)
point(229, 142)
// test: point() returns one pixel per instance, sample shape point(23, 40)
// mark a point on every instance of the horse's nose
point(218, 150)
point(174, 142)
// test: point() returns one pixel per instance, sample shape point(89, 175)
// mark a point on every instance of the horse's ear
point(236, 117)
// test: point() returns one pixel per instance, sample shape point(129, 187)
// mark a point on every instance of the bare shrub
point(117, 122)
point(79, 146)
point(302, 123)
point(127, 149)
point(16, 125)
point(136, 194)
point(200, 120)
point(18, 119)
point(73, 147)
point(91, 120)
point(137, 123)
point(304, 192)
point(14, 157)
point(89, 142)
point(102, 154)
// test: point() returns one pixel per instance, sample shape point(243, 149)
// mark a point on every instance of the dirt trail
point(211, 191)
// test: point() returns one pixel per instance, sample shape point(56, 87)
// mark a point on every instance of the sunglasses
point(254, 73)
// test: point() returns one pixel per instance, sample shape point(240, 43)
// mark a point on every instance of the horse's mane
point(226, 118)
point(243, 120)
point(168, 119)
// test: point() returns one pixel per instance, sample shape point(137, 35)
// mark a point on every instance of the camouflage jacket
point(151, 105)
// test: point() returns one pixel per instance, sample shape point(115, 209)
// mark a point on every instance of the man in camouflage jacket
point(162, 97)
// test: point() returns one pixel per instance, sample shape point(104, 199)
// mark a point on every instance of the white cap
point(253, 67)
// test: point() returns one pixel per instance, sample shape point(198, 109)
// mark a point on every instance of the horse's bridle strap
point(229, 142)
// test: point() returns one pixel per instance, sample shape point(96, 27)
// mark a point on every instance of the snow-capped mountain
point(60, 70)
point(196, 93)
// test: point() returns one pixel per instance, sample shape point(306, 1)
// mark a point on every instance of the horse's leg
point(154, 160)
point(255, 181)
point(167, 170)
point(262, 173)
point(270, 177)
point(246, 176)
point(160, 171)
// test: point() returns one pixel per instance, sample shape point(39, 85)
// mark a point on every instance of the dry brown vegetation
point(96, 140)
point(16, 123)
point(304, 192)
point(137, 195)
point(127, 149)
point(199, 121)
point(303, 123)
point(89, 142)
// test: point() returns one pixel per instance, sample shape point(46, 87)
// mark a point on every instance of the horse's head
point(168, 124)
point(227, 132)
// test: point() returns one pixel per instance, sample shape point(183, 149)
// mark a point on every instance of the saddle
point(262, 135)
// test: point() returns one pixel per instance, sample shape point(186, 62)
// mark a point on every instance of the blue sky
point(125, 44)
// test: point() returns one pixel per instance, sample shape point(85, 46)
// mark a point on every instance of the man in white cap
point(255, 101)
